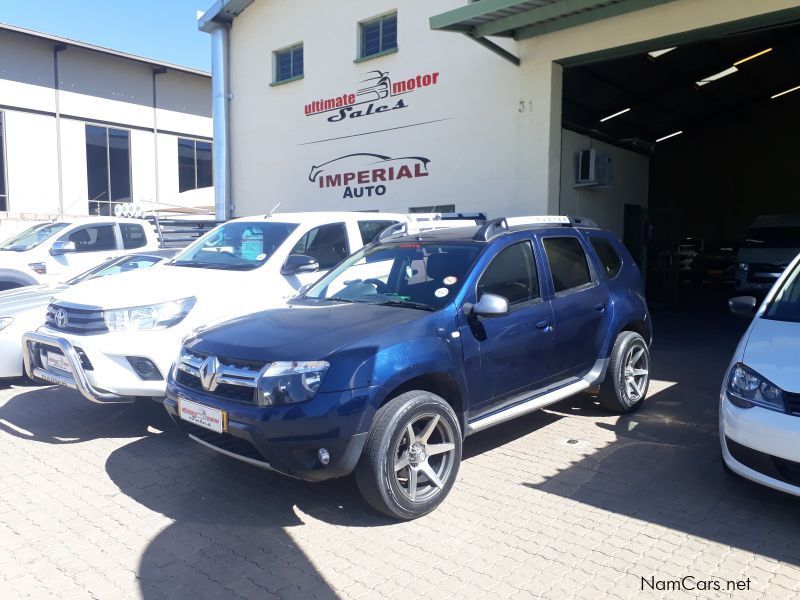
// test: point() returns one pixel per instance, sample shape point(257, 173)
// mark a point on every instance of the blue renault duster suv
point(414, 342)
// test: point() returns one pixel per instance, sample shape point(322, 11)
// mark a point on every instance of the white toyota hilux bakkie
point(114, 341)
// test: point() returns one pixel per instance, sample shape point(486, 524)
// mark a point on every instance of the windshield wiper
point(405, 304)
point(337, 299)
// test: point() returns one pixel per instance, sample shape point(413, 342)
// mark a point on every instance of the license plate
point(58, 361)
point(204, 416)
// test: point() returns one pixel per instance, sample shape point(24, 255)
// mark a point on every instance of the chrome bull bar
point(76, 380)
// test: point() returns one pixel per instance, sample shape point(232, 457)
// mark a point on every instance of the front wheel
point(628, 375)
point(412, 454)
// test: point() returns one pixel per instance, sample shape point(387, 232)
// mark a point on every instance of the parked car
point(715, 263)
point(771, 242)
point(688, 250)
point(115, 341)
point(385, 364)
point(759, 411)
point(55, 251)
point(24, 309)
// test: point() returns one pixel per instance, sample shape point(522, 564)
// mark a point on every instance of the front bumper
point(286, 439)
point(761, 445)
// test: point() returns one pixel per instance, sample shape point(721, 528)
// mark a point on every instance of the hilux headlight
point(746, 389)
point(5, 322)
point(290, 382)
point(744, 267)
point(155, 316)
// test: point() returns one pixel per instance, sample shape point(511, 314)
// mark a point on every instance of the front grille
point(63, 317)
point(236, 380)
point(772, 466)
point(792, 402)
point(764, 272)
point(225, 441)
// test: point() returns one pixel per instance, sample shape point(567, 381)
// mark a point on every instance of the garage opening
point(681, 148)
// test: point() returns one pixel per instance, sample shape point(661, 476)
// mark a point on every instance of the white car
point(25, 308)
point(759, 412)
point(771, 242)
point(115, 340)
point(55, 251)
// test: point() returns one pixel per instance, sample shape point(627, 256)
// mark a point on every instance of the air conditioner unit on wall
point(592, 168)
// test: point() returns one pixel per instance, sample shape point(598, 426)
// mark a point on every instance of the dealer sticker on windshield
point(204, 416)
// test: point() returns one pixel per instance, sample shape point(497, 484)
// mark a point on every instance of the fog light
point(145, 368)
point(324, 456)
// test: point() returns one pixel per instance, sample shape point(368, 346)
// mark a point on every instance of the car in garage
point(57, 250)
point(114, 341)
point(385, 364)
point(771, 242)
point(759, 411)
point(25, 308)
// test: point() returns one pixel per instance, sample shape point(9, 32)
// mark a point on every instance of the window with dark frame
point(288, 64)
point(378, 36)
point(568, 264)
point(611, 261)
point(108, 168)
point(194, 165)
point(3, 192)
point(512, 274)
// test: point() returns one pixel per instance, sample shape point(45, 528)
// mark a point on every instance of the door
point(327, 244)
point(513, 352)
point(93, 245)
point(581, 306)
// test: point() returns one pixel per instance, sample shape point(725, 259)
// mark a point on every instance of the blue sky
point(160, 29)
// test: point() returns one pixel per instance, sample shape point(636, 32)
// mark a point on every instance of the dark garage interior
point(736, 101)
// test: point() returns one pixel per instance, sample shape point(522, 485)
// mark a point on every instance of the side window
point(567, 261)
point(327, 243)
point(611, 261)
point(370, 229)
point(512, 275)
point(95, 238)
point(132, 236)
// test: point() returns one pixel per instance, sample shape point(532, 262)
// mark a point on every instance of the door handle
point(600, 307)
point(543, 325)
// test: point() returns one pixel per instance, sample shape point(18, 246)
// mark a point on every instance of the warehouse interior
point(716, 123)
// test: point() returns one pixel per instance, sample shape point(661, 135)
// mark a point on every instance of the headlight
point(746, 389)
point(744, 267)
point(289, 382)
point(5, 322)
point(156, 316)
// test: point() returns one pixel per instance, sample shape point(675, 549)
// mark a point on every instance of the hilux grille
point(235, 380)
point(71, 319)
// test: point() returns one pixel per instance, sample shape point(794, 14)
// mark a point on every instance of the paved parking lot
point(111, 502)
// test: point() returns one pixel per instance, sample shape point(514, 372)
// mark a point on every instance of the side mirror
point(299, 263)
point(744, 306)
point(490, 305)
point(60, 248)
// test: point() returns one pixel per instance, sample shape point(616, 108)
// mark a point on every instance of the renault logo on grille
point(209, 373)
point(61, 318)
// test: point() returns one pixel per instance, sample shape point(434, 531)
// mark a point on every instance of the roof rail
point(436, 221)
point(501, 225)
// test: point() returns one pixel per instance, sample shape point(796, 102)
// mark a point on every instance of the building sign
point(364, 175)
point(376, 93)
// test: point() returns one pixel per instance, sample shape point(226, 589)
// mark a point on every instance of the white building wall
point(95, 88)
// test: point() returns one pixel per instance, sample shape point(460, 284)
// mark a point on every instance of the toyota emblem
point(209, 373)
point(61, 317)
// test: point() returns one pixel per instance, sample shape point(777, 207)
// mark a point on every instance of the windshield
point(236, 245)
point(32, 237)
point(418, 275)
point(785, 306)
point(121, 264)
point(773, 237)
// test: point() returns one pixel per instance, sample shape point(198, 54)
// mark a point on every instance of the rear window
point(611, 261)
point(133, 236)
point(568, 264)
point(370, 229)
point(773, 237)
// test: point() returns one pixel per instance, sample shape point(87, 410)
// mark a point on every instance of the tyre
point(628, 374)
point(412, 454)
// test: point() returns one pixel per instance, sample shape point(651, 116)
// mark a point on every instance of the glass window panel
point(204, 172)
point(283, 65)
point(567, 261)
point(512, 275)
point(96, 166)
point(370, 38)
point(297, 61)
point(328, 244)
point(120, 164)
point(186, 169)
point(94, 238)
point(133, 236)
point(389, 37)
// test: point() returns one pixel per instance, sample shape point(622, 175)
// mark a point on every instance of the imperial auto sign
point(365, 174)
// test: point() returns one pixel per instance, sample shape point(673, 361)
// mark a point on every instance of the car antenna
point(274, 208)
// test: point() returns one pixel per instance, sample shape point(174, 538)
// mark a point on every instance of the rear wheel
point(628, 375)
point(412, 454)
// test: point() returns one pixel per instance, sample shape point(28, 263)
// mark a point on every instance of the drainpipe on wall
point(219, 110)
point(56, 88)
point(156, 71)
